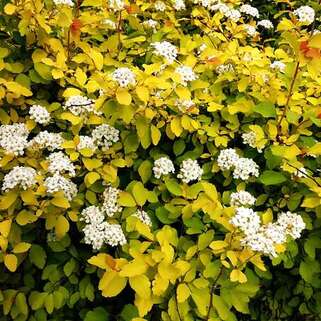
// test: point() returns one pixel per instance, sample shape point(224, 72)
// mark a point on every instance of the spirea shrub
point(160, 160)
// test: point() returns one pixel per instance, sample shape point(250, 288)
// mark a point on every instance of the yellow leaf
point(28, 197)
point(102, 260)
point(142, 93)
point(3, 243)
point(311, 202)
point(91, 178)
point(141, 285)
point(111, 284)
point(61, 227)
point(144, 305)
point(218, 245)
point(5, 227)
point(11, 262)
point(7, 200)
point(133, 268)
point(123, 96)
point(10, 9)
point(21, 247)
point(17, 88)
point(25, 217)
point(155, 134)
point(232, 256)
point(97, 58)
point(75, 120)
point(80, 76)
point(183, 292)
point(60, 202)
point(176, 126)
point(238, 276)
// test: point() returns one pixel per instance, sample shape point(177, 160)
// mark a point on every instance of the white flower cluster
point(190, 171)
point(79, 105)
point(249, 138)
point(179, 5)
point(186, 74)
point(14, 138)
point(143, 217)
point(278, 65)
point(44, 139)
point(242, 199)
point(225, 68)
point(248, 221)
point(301, 172)
point(60, 163)
point(69, 3)
point(110, 23)
point(266, 24)
point(39, 114)
point(150, 23)
point(249, 10)
point(243, 168)
point(221, 7)
point(163, 166)
point(99, 232)
point(305, 14)
point(116, 4)
point(165, 50)
point(124, 76)
point(23, 177)
point(160, 6)
point(86, 142)
point(233, 14)
point(184, 104)
point(251, 30)
point(105, 135)
point(292, 223)
point(58, 183)
point(110, 205)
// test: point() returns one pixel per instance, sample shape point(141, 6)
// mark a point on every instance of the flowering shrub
point(159, 160)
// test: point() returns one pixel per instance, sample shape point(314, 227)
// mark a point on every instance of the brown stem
point(118, 31)
point(68, 45)
point(307, 175)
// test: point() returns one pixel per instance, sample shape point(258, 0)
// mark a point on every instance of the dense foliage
point(160, 160)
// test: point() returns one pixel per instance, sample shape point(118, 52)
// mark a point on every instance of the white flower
point(249, 138)
point(246, 220)
point(69, 3)
point(110, 206)
point(251, 31)
point(275, 232)
point(305, 14)
point(190, 171)
point(114, 234)
point(39, 114)
point(233, 14)
point(278, 65)
point(13, 138)
point(227, 159)
point(143, 217)
point(105, 135)
point(160, 6)
point(86, 142)
point(60, 163)
point(166, 50)
point(150, 23)
point(179, 5)
point(221, 7)
point(259, 242)
point(251, 11)
point(202, 47)
point(267, 24)
point(124, 76)
point(186, 74)
point(224, 68)
point(163, 166)
point(301, 172)
point(184, 104)
point(292, 223)
point(23, 177)
point(79, 105)
point(245, 168)
point(242, 198)
point(58, 183)
point(110, 23)
point(92, 215)
point(44, 139)
point(116, 4)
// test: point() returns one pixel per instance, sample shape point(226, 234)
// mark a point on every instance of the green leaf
point(143, 131)
point(139, 193)
point(222, 309)
point(145, 170)
point(21, 303)
point(272, 178)
point(129, 312)
point(173, 187)
point(98, 314)
point(37, 256)
point(266, 109)
point(126, 199)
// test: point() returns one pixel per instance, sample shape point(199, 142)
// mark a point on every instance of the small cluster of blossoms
point(305, 14)
point(124, 77)
point(266, 24)
point(44, 139)
point(150, 23)
point(264, 238)
point(14, 138)
point(60, 163)
point(179, 5)
point(250, 30)
point(186, 74)
point(163, 166)
point(39, 114)
point(249, 10)
point(242, 199)
point(190, 171)
point(301, 173)
point(105, 135)
point(116, 5)
point(143, 217)
point(166, 50)
point(109, 23)
point(23, 177)
point(68, 3)
point(160, 6)
point(250, 139)
point(225, 68)
point(79, 105)
point(184, 104)
point(86, 142)
point(233, 14)
point(57, 183)
point(278, 65)
point(98, 232)
point(243, 168)
point(110, 205)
